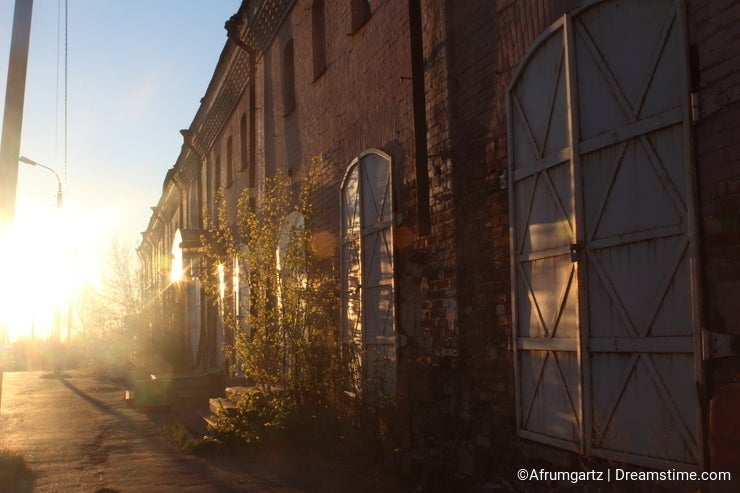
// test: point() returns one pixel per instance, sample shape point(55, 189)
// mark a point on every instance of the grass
point(179, 435)
point(13, 468)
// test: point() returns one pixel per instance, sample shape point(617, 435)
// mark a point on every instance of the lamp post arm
point(25, 160)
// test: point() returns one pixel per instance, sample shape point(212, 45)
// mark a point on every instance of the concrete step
point(220, 406)
point(235, 392)
point(223, 406)
point(194, 387)
point(210, 422)
point(158, 391)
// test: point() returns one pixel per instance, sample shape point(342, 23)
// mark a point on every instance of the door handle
point(576, 252)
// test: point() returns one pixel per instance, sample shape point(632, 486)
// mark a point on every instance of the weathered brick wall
point(715, 60)
point(359, 102)
point(462, 391)
point(427, 300)
point(463, 404)
point(714, 38)
point(362, 100)
point(456, 395)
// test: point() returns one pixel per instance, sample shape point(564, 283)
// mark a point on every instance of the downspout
point(232, 27)
point(182, 191)
point(189, 140)
point(420, 118)
point(232, 33)
point(181, 290)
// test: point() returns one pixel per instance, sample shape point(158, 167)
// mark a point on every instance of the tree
point(108, 311)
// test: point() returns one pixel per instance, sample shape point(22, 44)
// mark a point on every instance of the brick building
point(545, 195)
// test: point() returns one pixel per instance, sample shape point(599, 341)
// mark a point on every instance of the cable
point(56, 101)
point(66, 79)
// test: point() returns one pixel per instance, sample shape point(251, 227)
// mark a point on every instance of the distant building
point(549, 191)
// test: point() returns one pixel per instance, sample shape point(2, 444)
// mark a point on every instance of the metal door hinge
point(401, 339)
point(695, 107)
point(719, 345)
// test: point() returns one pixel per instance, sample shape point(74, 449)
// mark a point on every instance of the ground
point(76, 434)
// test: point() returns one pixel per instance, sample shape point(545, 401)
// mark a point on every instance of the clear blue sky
point(136, 72)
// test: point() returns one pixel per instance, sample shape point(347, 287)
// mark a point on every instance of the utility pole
point(13, 119)
point(15, 92)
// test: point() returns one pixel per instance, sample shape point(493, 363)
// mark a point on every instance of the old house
point(532, 206)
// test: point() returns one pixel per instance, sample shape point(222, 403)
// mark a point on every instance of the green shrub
point(281, 327)
point(257, 417)
point(178, 434)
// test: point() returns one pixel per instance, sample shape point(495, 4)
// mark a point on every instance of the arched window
point(243, 150)
point(177, 270)
point(288, 81)
point(241, 290)
point(367, 292)
point(217, 180)
point(229, 162)
point(360, 14)
point(208, 187)
point(318, 38)
point(289, 257)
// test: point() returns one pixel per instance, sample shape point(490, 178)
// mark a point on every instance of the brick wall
point(360, 101)
point(715, 49)
point(714, 38)
point(463, 403)
point(456, 396)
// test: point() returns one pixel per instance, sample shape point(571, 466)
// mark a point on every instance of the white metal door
point(642, 392)
point(543, 218)
point(367, 243)
point(627, 122)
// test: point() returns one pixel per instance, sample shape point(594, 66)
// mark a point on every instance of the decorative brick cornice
point(263, 17)
point(253, 28)
point(235, 80)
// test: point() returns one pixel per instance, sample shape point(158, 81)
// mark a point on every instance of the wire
point(66, 79)
point(56, 101)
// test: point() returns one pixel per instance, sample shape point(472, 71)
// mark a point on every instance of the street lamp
point(58, 312)
point(25, 160)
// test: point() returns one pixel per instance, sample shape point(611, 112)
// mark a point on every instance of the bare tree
point(107, 311)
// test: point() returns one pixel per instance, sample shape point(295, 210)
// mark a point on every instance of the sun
point(47, 260)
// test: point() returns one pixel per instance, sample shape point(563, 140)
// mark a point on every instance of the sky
point(136, 71)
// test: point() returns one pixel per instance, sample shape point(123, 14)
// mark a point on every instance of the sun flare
point(49, 255)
